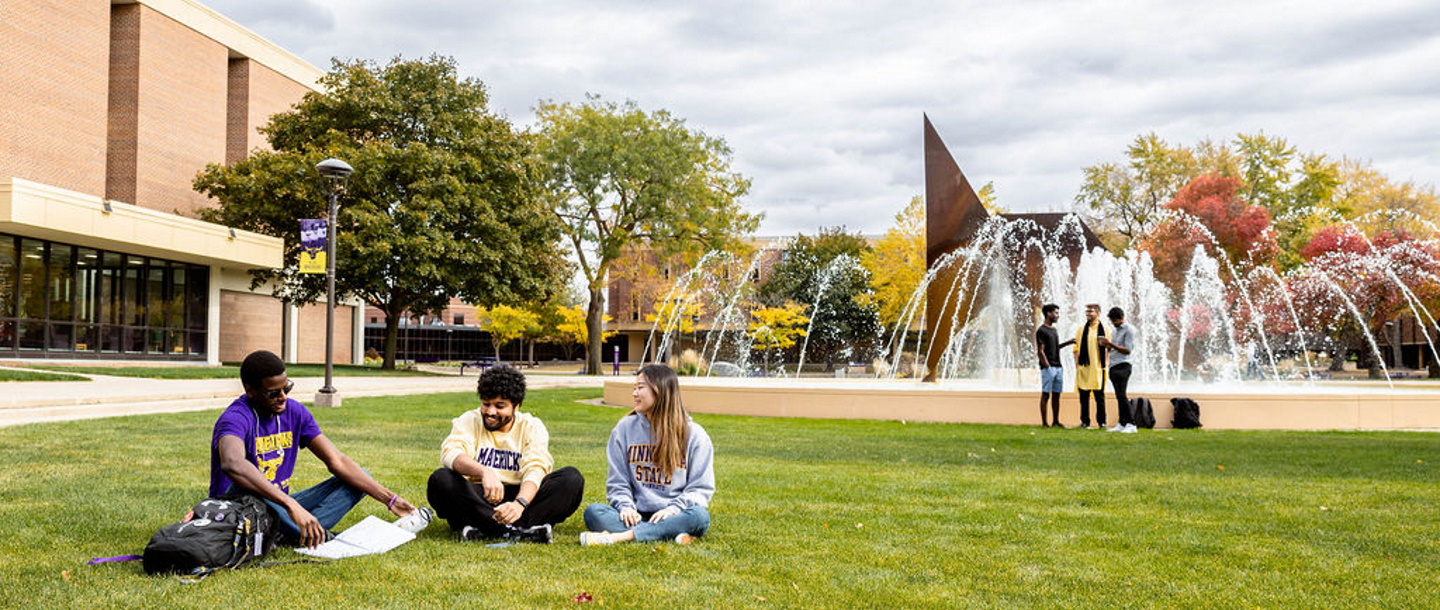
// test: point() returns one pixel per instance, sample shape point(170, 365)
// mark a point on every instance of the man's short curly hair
point(502, 382)
point(259, 366)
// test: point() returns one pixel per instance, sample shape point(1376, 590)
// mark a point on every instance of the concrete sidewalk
point(106, 396)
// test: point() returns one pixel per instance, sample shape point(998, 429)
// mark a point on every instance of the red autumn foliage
point(1335, 238)
point(1351, 284)
point(1210, 213)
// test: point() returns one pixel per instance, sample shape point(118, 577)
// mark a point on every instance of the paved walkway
point(106, 396)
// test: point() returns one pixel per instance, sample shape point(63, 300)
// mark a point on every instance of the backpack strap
point(99, 560)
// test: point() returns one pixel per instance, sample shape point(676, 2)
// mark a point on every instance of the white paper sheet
point(369, 536)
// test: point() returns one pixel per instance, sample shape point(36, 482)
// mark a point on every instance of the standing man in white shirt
point(1120, 343)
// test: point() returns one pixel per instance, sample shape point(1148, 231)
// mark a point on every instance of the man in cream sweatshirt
point(498, 480)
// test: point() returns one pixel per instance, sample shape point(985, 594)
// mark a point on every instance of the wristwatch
point(522, 502)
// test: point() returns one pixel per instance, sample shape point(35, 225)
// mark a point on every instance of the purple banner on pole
point(312, 245)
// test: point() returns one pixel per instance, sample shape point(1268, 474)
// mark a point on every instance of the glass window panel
point(154, 341)
point(61, 282)
point(9, 266)
point(32, 281)
point(132, 305)
point(87, 276)
point(134, 341)
point(197, 344)
point(111, 270)
point(87, 337)
point(110, 339)
point(155, 293)
point(62, 337)
point(7, 334)
point(197, 314)
point(175, 312)
point(175, 342)
point(32, 334)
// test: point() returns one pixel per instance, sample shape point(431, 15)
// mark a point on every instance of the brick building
point(108, 109)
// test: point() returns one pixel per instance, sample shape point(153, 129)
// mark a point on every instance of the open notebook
point(369, 536)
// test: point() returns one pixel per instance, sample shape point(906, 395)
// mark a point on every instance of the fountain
point(1201, 337)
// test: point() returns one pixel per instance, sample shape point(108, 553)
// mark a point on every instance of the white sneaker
point(596, 538)
point(417, 521)
point(684, 538)
point(1117, 428)
point(1130, 429)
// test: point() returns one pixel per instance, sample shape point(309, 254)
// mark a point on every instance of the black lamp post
point(335, 172)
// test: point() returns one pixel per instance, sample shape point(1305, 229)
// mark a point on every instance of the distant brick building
point(107, 112)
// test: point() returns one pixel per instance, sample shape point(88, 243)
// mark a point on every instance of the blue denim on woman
point(604, 518)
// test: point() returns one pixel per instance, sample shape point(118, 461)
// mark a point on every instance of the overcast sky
point(821, 102)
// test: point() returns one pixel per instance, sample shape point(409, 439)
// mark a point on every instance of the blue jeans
point(329, 501)
point(604, 518)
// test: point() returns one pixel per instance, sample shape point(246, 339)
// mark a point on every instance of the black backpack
point(228, 531)
point(1187, 413)
point(1142, 413)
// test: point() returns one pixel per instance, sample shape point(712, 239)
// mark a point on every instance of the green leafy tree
point(824, 272)
point(444, 201)
point(1125, 198)
point(618, 176)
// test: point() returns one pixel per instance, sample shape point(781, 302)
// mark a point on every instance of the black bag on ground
point(228, 531)
point(1187, 413)
point(1142, 413)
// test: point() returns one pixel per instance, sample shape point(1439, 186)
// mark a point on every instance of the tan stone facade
point(108, 110)
point(311, 346)
point(253, 321)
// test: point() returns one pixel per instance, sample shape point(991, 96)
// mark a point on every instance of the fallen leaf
point(582, 598)
point(796, 586)
point(859, 525)
point(1419, 461)
point(1323, 508)
point(824, 525)
point(1220, 467)
point(66, 575)
point(760, 597)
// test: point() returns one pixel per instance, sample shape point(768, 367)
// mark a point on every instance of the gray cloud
point(821, 103)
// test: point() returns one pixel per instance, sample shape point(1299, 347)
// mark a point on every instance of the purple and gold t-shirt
point(272, 443)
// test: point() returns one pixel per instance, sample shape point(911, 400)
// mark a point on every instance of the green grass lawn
point(9, 374)
point(808, 514)
point(229, 371)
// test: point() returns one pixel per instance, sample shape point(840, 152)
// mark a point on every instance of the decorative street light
point(335, 172)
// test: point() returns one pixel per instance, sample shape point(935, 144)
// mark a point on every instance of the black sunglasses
point(275, 393)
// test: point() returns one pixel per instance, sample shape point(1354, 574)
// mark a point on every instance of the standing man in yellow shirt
point(497, 479)
point(1090, 366)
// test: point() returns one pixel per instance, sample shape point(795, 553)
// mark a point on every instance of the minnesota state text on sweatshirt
point(634, 481)
point(522, 454)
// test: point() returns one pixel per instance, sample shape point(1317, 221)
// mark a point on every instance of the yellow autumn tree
point(773, 329)
point(505, 324)
point(571, 330)
point(897, 263)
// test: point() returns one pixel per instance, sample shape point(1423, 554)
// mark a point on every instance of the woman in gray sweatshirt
point(661, 472)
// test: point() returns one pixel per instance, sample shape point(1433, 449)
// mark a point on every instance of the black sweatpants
point(460, 502)
point(1120, 378)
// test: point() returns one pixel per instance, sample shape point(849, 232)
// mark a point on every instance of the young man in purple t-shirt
point(255, 446)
